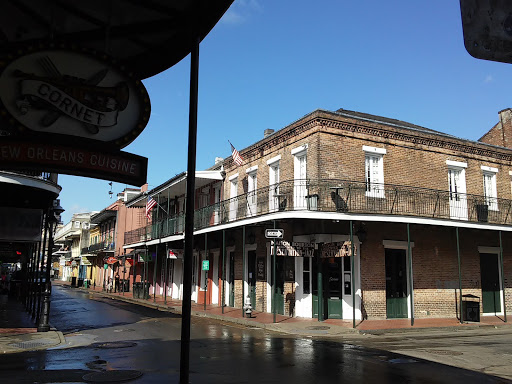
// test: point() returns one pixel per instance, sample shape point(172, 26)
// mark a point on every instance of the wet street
point(103, 334)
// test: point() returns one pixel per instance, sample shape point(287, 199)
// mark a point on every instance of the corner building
point(381, 219)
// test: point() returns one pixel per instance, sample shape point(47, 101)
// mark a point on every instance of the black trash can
point(482, 212)
point(73, 281)
point(470, 308)
point(80, 283)
point(136, 290)
point(126, 285)
point(145, 294)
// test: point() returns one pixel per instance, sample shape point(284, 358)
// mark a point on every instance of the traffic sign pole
point(274, 277)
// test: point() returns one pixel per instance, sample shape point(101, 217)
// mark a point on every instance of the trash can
point(86, 285)
point(145, 294)
point(470, 308)
point(137, 288)
point(80, 283)
point(126, 285)
point(73, 281)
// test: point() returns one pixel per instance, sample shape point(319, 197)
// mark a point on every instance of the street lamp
point(52, 219)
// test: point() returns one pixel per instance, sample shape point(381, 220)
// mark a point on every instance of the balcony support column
point(166, 274)
point(411, 295)
point(460, 275)
point(205, 272)
point(352, 257)
point(154, 273)
point(223, 269)
point(243, 270)
point(503, 280)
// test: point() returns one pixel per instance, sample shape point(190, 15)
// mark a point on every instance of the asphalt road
point(110, 337)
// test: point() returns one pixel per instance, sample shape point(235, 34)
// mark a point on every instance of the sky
point(267, 63)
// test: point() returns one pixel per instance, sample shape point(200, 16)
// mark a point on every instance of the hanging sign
point(206, 265)
point(337, 249)
point(274, 233)
point(296, 249)
point(175, 254)
point(111, 260)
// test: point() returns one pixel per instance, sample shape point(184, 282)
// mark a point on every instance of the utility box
point(470, 308)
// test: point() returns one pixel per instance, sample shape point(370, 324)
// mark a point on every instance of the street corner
point(30, 342)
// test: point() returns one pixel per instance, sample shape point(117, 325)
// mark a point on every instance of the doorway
point(490, 282)
point(396, 283)
point(332, 285)
point(231, 278)
point(278, 301)
point(251, 276)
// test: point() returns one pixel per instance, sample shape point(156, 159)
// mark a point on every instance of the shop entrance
point(231, 279)
point(251, 276)
point(332, 288)
point(396, 284)
point(491, 293)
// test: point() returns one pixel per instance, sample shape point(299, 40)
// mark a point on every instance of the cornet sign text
point(73, 94)
point(68, 111)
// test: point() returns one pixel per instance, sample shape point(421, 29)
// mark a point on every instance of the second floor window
point(252, 185)
point(490, 190)
point(374, 171)
point(273, 182)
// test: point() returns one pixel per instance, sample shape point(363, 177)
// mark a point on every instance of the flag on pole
point(149, 206)
point(236, 155)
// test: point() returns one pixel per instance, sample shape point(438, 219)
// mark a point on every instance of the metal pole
point(154, 274)
point(243, 269)
point(319, 283)
point(503, 281)
point(44, 324)
point(165, 272)
point(274, 306)
point(39, 271)
point(223, 269)
point(353, 255)
point(205, 272)
point(410, 272)
point(189, 217)
point(124, 274)
point(460, 276)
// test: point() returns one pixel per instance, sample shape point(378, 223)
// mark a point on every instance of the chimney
point(267, 132)
point(501, 133)
point(218, 160)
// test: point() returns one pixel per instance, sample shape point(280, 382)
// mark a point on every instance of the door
point(396, 284)
point(491, 292)
point(206, 281)
point(278, 301)
point(233, 201)
point(252, 183)
point(231, 279)
point(457, 196)
point(251, 277)
point(300, 186)
point(333, 283)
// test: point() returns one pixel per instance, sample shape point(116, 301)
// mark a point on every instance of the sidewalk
point(301, 326)
point(18, 332)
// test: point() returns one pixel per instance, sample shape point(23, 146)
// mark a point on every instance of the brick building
point(427, 217)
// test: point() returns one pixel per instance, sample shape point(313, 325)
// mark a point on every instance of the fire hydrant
point(248, 306)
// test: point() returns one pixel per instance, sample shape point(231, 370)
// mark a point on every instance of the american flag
point(236, 155)
point(149, 206)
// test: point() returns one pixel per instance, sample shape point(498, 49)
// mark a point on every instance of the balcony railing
point(101, 246)
point(337, 196)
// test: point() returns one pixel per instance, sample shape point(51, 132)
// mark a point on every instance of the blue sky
point(269, 62)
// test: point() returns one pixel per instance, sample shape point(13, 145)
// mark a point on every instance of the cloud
point(241, 10)
point(488, 79)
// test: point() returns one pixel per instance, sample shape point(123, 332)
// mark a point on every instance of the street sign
point(274, 233)
point(206, 265)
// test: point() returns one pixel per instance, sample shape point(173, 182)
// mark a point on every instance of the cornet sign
point(73, 94)
point(69, 111)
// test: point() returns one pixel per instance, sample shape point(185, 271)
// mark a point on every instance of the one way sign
point(274, 233)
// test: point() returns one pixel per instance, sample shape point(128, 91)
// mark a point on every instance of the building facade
point(379, 219)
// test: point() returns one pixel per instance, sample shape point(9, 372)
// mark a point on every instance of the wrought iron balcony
point(342, 196)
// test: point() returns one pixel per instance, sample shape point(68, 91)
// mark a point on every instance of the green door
point(396, 284)
point(489, 269)
point(251, 274)
point(333, 284)
point(331, 287)
point(279, 297)
point(231, 279)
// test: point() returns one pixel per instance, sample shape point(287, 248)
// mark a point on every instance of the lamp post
point(53, 218)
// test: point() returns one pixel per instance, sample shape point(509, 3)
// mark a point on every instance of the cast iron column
point(352, 256)
point(410, 272)
point(189, 217)
point(44, 324)
point(460, 277)
point(243, 269)
point(503, 281)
